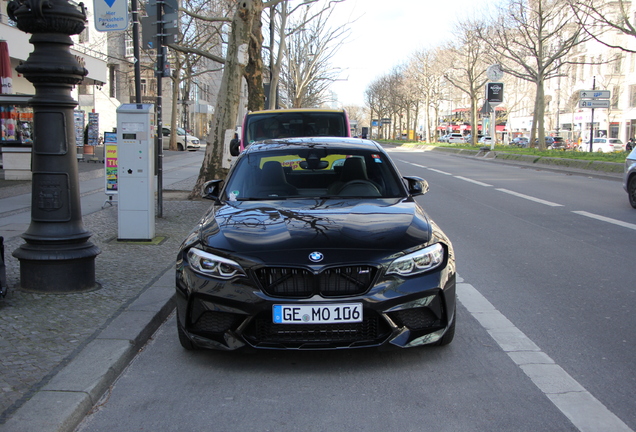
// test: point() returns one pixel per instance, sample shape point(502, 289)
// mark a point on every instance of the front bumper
point(400, 312)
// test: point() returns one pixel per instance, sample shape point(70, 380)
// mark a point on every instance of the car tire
point(450, 333)
point(631, 191)
point(184, 340)
point(180, 147)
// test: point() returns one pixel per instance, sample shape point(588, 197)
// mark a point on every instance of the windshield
point(313, 172)
point(295, 124)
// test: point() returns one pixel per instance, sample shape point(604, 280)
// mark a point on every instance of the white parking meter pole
point(592, 119)
point(494, 96)
point(492, 129)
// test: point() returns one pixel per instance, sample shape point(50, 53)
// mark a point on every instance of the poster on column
point(110, 161)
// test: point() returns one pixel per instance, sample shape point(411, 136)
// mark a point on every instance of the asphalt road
point(545, 337)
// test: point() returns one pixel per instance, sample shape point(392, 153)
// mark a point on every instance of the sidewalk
point(60, 352)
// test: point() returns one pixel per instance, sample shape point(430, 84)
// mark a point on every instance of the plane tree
point(468, 57)
point(532, 41)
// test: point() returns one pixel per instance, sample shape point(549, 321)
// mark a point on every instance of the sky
point(386, 33)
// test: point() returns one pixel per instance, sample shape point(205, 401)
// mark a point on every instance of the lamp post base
point(57, 270)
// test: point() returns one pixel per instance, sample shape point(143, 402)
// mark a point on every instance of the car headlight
point(212, 265)
point(418, 262)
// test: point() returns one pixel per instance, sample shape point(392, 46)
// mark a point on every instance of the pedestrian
point(630, 144)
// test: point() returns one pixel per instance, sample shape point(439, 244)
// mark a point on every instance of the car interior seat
point(353, 172)
point(273, 182)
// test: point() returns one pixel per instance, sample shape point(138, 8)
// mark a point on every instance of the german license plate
point(317, 314)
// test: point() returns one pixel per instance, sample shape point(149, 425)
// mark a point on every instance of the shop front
point(16, 123)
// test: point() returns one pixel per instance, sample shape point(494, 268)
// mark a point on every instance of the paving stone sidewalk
point(42, 333)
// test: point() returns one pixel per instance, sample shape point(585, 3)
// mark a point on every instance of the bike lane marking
point(586, 412)
point(606, 219)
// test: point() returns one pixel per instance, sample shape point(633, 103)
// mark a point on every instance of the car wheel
point(631, 190)
point(184, 340)
point(180, 147)
point(450, 333)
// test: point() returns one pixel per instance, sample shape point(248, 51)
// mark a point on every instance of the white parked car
point(605, 145)
point(184, 140)
point(456, 138)
point(486, 140)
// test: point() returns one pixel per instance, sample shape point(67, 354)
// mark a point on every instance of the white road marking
point(417, 165)
point(531, 198)
point(473, 181)
point(606, 219)
point(586, 412)
point(438, 171)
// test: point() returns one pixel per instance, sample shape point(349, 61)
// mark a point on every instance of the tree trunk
point(254, 69)
point(226, 110)
point(540, 112)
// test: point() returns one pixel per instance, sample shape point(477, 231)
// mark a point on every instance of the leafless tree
point(426, 70)
point(358, 114)
point(185, 66)
point(226, 110)
point(284, 23)
point(243, 61)
point(532, 41)
point(309, 45)
point(377, 98)
point(598, 17)
point(468, 56)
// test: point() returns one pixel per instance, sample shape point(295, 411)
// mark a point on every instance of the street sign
point(149, 30)
point(111, 15)
point(594, 103)
point(169, 6)
point(494, 93)
point(594, 94)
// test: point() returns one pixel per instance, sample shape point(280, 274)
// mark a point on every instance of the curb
point(62, 403)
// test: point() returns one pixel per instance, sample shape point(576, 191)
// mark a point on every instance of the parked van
point(291, 123)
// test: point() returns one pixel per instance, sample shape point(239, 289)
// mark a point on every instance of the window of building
point(632, 96)
point(130, 52)
point(614, 128)
point(84, 35)
point(618, 64)
point(615, 94)
point(112, 79)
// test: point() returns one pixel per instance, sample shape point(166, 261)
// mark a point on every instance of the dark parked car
point(315, 243)
point(520, 141)
point(555, 143)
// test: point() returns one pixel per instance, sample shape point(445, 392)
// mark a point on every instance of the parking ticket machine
point(136, 188)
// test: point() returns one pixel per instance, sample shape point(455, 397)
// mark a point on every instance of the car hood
point(281, 230)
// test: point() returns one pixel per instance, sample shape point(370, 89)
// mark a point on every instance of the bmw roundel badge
point(316, 256)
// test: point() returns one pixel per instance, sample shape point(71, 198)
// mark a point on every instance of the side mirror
point(416, 185)
point(210, 189)
point(235, 147)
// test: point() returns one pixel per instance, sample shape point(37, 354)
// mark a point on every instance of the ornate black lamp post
point(57, 256)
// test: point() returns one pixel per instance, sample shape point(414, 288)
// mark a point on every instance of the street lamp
point(57, 256)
